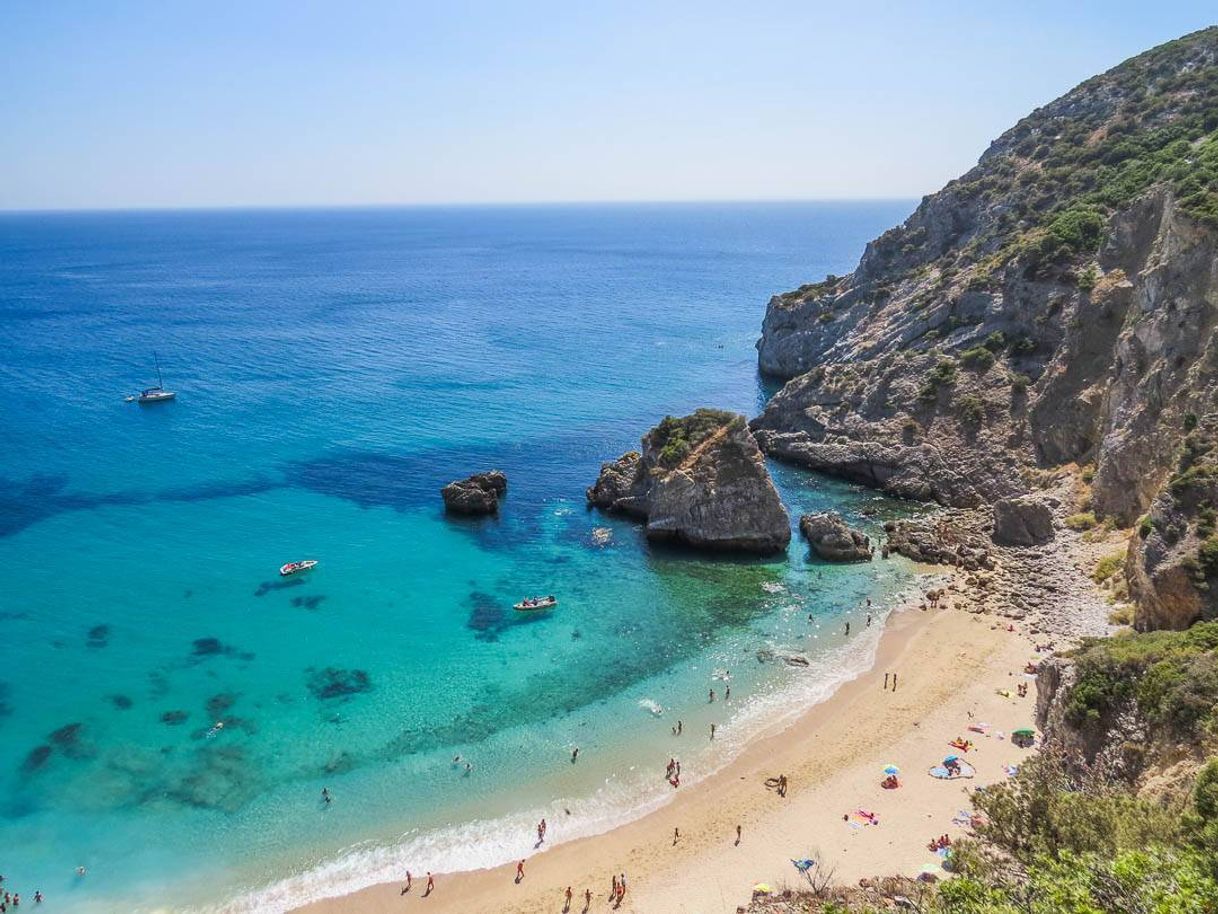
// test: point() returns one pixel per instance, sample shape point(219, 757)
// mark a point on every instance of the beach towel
point(940, 772)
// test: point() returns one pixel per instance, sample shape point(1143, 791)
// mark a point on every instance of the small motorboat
point(533, 604)
point(296, 567)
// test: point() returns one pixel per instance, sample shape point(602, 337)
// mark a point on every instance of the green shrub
point(942, 375)
point(1207, 557)
point(971, 409)
point(1084, 520)
point(979, 359)
point(1106, 567)
point(996, 341)
point(677, 437)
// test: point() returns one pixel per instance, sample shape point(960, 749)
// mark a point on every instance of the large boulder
point(1022, 521)
point(477, 494)
point(832, 540)
point(700, 480)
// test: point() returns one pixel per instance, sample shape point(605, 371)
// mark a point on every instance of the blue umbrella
point(951, 758)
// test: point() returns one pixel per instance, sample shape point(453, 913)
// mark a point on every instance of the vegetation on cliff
point(1171, 678)
point(675, 437)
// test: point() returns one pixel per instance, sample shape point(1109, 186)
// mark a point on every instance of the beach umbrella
point(1025, 732)
point(891, 769)
point(950, 758)
point(762, 888)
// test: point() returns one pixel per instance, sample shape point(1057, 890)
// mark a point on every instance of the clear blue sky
point(105, 103)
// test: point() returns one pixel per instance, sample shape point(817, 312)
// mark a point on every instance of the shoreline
point(946, 659)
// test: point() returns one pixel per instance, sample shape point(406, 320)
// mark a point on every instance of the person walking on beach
point(727, 694)
point(613, 890)
point(519, 872)
point(676, 836)
point(680, 727)
point(869, 620)
point(847, 629)
point(737, 836)
point(567, 907)
point(587, 900)
point(894, 682)
point(886, 675)
point(409, 883)
point(712, 731)
point(431, 884)
point(712, 696)
point(574, 754)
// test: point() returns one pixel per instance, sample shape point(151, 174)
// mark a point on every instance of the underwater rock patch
point(310, 602)
point(173, 718)
point(218, 704)
point(487, 616)
point(214, 647)
point(38, 756)
point(267, 586)
point(332, 683)
point(122, 702)
point(98, 636)
point(66, 736)
point(222, 778)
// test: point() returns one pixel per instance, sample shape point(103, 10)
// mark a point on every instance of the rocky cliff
point(1054, 306)
point(700, 480)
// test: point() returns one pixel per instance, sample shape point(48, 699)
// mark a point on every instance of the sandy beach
point(950, 663)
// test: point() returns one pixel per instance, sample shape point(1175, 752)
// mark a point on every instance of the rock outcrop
point(1172, 562)
point(938, 541)
point(1022, 521)
point(700, 480)
point(477, 494)
point(1054, 307)
point(832, 540)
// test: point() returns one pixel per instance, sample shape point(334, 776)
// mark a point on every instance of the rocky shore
point(1054, 307)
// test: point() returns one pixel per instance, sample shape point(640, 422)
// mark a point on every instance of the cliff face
point(1055, 305)
point(700, 480)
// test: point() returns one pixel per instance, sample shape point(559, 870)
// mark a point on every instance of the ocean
point(334, 368)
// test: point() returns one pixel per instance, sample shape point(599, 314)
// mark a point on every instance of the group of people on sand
point(937, 844)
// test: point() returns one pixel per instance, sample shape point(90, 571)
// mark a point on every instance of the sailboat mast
point(159, 382)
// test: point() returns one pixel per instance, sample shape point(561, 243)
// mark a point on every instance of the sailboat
point(156, 394)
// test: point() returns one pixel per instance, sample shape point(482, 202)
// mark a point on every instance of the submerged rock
point(475, 495)
point(700, 480)
point(1022, 521)
point(833, 541)
point(99, 636)
point(38, 756)
point(333, 682)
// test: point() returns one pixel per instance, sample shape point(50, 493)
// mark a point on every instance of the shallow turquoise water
point(334, 369)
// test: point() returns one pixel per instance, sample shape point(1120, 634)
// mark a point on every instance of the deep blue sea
point(334, 368)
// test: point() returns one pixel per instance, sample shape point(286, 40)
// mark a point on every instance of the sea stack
point(832, 540)
point(700, 480)
point(476, 495)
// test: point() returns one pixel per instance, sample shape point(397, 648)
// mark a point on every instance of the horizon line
point(456, 204)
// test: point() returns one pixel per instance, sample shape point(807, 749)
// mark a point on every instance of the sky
point(178, 103)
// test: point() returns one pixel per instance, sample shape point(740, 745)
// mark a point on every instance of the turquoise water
point(334, 368)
